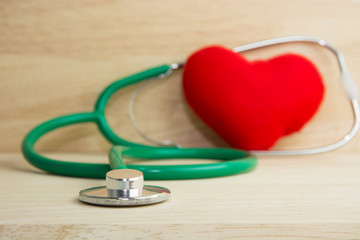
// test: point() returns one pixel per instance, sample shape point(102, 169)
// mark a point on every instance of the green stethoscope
point(124, 183)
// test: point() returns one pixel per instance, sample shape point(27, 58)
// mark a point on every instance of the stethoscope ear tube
point(349, 86)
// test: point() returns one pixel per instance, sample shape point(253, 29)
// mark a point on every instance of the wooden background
point(55, 58)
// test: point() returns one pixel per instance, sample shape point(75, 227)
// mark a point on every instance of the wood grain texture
point(183, 231)
point(291, 198)
point(56, 56)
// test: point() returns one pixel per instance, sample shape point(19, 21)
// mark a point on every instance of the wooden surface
point(56, 56)
point(293, 198)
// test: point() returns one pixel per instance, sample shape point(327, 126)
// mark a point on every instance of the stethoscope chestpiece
point(124, 187)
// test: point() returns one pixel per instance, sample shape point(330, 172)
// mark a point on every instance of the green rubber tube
point(232, 161)
point(104, 97)
point(75, 169)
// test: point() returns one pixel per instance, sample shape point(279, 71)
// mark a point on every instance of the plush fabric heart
point(251, 104)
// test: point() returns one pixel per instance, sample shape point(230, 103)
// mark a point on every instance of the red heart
point(251, 104)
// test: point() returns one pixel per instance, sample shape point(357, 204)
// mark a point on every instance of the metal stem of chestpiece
point(125, 183)
point(124, 187)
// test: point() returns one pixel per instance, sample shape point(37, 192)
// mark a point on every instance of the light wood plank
point(293, 198)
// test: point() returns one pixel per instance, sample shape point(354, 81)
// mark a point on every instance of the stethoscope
point(125, 183)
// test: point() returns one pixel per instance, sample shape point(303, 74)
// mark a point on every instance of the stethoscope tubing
point(232, 161)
